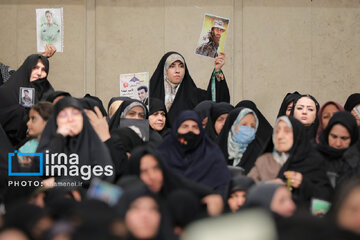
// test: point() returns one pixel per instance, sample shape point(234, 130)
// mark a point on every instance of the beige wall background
point(272, 47)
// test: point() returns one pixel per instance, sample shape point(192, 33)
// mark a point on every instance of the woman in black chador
point(31, 76)
point(172, 83)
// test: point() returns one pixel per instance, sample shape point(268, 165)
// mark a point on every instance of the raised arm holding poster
point(212, 36)
point(50, 28)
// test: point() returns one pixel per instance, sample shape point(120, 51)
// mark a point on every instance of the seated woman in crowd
point(190, 153)
point(134, 109)
point(30, 80)
point(144, 216)
point(288, 103)
point(114, 105)
point(69, 131)
point(306, 110)
point(130, 109)
point(286, 160)
point(325, 114)
point(145, 164)
point(265, 129)
point(237, 139)
point(204, 110)
point(238, 189)
point(218, 115)
point(158, 117)
point(172, 83)
point(338, 148)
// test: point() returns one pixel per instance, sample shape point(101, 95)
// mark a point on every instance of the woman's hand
point(295, 178)
point(214, 204)
point(219, 61)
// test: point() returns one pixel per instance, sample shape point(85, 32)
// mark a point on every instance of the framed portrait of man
point(27, 97)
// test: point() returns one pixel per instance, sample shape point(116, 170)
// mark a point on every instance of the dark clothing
point(5, 73)
point(204, 164)
point(352, 101)
point(87, 145)
point(116, 118)
point(13, 116)
point(208, 48)
point(89, 102)
point(188, 94)
point(56, 94)
point(265, 129)
point(289, 98)
point(158, 105)
point(252, 151)
point(301, 159)
point(204, 109)
point(216, 111)
point(340, 164)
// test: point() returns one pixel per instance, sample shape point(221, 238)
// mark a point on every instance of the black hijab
point(301, 159)
point(89, 102)
point(352, 101)
point(290, 97)
point(56, 94)
point(188, 95)
point(253, 149)
point(312, 129)
point(264, 130)
point(336, 160)
point(204, 108)
point(298, 151)
point(126, 139)
point(347, 120)
point(158, 105)
point(12, 115)
point(114, 99)
point(261, 195)
point(134, 189)
point(9, 92)
point(90, 149)
point(171, 181)
point(216, 111)
point(116, 118)
point(204, 164)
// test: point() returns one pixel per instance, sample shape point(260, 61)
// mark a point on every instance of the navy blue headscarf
point(204, 164)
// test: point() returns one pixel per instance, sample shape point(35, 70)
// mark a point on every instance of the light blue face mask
point(245, 135)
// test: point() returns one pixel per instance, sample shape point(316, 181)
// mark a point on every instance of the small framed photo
point(27, 97)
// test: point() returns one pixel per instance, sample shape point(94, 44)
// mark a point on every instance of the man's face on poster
point(217, 33)
point(48, 17)
point(26, 94)
point(142, 94)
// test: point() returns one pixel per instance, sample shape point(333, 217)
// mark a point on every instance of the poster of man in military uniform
point(212, 36)
point(49, 28)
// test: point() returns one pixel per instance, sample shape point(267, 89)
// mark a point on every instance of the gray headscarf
point(171, 88)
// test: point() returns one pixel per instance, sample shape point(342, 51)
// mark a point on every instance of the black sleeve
point(222, 90)
point(198, 189)
point(118, 157)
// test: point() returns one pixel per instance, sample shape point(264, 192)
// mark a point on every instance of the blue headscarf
point(237, 149)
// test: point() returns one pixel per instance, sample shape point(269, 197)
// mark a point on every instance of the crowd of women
point(191, 156)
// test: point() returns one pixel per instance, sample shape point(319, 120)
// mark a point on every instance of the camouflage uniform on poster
point(210, 46)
